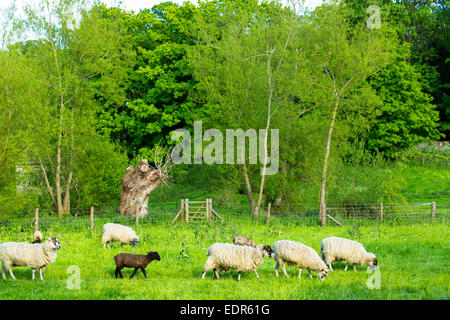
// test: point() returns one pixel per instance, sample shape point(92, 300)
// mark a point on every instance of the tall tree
point(243, 48)
point(73, 46)
point(338, 60)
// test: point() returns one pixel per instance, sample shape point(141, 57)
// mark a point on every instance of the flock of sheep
point(243, 255)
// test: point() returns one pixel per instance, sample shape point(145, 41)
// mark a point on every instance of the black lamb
point(136, 261)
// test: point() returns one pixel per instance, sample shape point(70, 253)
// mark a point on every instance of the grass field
point(414, 261)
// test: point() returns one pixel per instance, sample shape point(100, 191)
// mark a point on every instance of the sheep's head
point(372, 261)
point(323, 273)
point(267, 250)
point(52, 244)
point(154, 255)
point(37, 237)
point(134, 242)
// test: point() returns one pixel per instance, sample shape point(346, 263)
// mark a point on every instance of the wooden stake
point(433, 210)
point(186, 210)
point(180, 211)
point(36, 220)
point(92, 218)
point(268, 213)
point(334, 220)
point(381, 211)
point(213, 211)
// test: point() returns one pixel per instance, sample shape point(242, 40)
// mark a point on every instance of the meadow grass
point(413, 261)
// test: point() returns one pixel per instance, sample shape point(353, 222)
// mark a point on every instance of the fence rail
point(94, 218)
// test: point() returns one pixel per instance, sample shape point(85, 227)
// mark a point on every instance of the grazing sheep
point(229, 256)
point(37, 237)
point(341, 249)
point(21, 254)
point(244, 241)
point(296, 253)
point(117, 232)
point(136, 261)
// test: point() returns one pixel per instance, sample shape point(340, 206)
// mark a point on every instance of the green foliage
point(129, 79)
point(59, 145)
point(405, 117)
point(157, 88)
point(424, 27)
point(19, 84)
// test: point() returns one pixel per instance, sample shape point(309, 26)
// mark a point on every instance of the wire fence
point(88, 219)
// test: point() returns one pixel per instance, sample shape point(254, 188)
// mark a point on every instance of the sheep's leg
point(118, 272)
point(32, 277)
point(346, 266)
point(41, 272)
point(310, 275)
point(3, 272)
point(216, 273)
point(208, 266)
point(12, 274)
point(256, 274)
point(354, 268)
point(283, 267)
point(239, 276)
point(134, 272)
point(143, 271)
point(299, 273)
point(331, 268)
point(277, 265)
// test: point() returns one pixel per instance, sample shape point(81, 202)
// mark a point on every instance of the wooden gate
point(196, 211)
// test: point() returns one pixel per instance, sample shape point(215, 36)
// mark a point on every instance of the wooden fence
point(202, 211)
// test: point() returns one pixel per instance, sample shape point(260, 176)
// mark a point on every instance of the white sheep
point(120, 233)
point(37, 237)
point(296, 253)
point(21, 254)
point(350, 251)
point(244, 241)
point(227, 256)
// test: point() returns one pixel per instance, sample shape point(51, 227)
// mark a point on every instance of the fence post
point(186, 210)
point(182, 210)
point(92, 218)
point(433, 210)
point(381, 211)
point(268, 213)
point(208, 209)
point(36, 220)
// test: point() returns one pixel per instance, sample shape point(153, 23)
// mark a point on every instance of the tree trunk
point(47, 183)
point(269, 104)
point(66, 204)
point(136, 188)
point(58, 167)
point(248, 186)
point(322, 207)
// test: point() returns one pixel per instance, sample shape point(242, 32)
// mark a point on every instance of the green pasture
point(414, 260)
